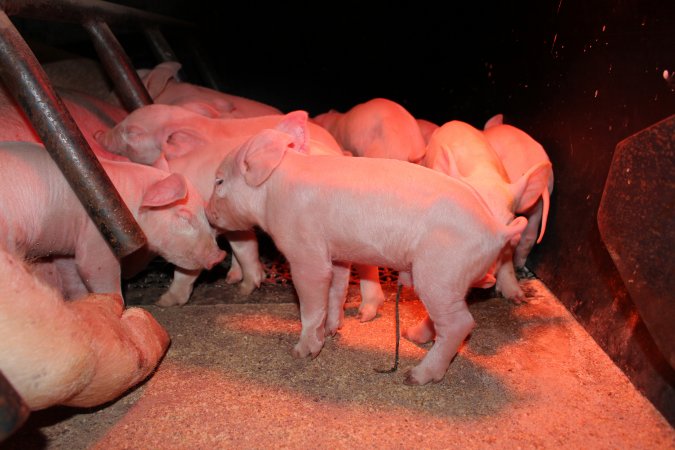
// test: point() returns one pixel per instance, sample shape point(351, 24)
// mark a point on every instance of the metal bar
point(117, 64)
point(78, 11)
point(161, 48)
point(26, 80)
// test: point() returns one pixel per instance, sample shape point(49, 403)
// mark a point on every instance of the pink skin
point(519, 153)
point(193, 144)
point(323, 211)
point(81, 353)
point(43, 217)
point(164, 89)
point(461, 151)
point(427, 128)
point(378, 128)
point(89, 113)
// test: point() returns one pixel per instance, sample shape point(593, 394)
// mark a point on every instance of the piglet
point(164, 88)
point(80, 353)
point(519, 152)
point(378, 128)
point(193, 144)
point(462, 151)
point(43, 217)
point(323, 212)
point(427, 128)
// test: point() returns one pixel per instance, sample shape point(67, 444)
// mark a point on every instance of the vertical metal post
point(27, 81)
point(117, 64)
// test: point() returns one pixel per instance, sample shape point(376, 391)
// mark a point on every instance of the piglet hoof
point(367, 312)
point(234, 275)
point(301, 351)
point(247, 287)
point(169, 299)
point(331, 330)
point(413, 377)
point(519, 299)
point(417, 335)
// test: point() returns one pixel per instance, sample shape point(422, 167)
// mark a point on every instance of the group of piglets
point(449, 207)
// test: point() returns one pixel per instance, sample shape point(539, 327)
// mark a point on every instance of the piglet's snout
point(214, 258)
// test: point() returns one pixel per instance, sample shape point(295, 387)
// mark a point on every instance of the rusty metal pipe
point(26, 80)
point(117, 64)
point(79, 11)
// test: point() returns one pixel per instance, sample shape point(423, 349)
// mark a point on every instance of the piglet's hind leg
point(453, 323)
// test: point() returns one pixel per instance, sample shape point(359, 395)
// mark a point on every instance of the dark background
point(578, 76)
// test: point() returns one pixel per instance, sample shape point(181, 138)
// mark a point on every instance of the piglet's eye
point(219, 181)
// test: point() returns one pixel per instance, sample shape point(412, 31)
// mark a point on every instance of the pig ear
point(262, 154)
point(181, 142)
point(445, 162)
point(165, 192)
point(203, 109)
point(295, 125)
point(494, 121)
point(527, 190)
point(155, 81)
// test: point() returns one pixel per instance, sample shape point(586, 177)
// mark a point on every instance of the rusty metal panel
point(637, 224)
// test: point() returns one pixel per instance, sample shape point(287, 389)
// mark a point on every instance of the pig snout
point(214, 258)
point(129, 142)
point(110, 141)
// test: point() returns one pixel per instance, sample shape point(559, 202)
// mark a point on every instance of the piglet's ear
point(528, 188)
point(494, 121)
point(295, 124)
point(203, 109)
point(261, 154)
point(155, 81)
point(165, 192)
point(182, 141)
point(439, 157)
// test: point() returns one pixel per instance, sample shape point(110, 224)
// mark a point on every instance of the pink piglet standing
point(463, 152)
point(377, 128)
point(519, 152)
point(192, 143)
point(324, 212)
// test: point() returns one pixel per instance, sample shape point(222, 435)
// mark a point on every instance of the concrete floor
point(528, 377)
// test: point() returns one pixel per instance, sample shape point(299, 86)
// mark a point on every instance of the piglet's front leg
point(98, 267)
point(311, 279)
point(180, 289)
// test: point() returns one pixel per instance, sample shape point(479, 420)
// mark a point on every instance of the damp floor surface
point(529, 376)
